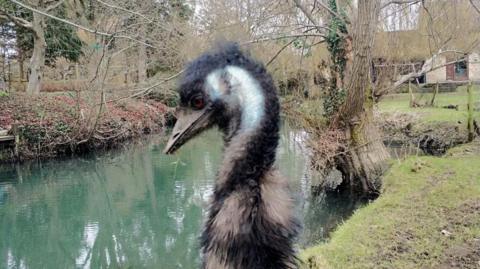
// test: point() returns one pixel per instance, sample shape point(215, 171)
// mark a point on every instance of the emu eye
point(198, 102)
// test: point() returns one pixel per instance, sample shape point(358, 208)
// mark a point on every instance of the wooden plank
point(7, 138)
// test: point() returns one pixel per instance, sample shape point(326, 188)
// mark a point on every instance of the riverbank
point(55, 125)
point(433, 129)
point(426, 217)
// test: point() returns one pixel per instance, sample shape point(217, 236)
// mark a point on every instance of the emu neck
point(249, 153)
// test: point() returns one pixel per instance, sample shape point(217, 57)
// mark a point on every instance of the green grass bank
point(399, 103)
point(428, 216)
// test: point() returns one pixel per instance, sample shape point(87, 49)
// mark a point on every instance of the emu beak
point(189, 123)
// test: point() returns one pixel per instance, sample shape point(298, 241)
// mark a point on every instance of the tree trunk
point(366, 158)
point(21, 65)
point(37, 61)
point(142, 59)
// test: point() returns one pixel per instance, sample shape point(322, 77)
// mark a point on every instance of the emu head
point(217, 89)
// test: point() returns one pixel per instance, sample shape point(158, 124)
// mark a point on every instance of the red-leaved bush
point(51, 125)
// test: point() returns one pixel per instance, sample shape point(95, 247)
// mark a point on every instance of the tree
point(44, 39)
point(349, 102)
point(158, 25)
point(367, 156)
point(353, 90)
point(61, 39)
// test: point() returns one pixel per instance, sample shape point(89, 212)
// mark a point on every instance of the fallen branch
point(428, 66)
point(451, 107)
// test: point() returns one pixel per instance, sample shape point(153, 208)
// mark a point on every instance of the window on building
point(461, 68)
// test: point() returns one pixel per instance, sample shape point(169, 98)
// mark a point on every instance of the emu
point(251, 222)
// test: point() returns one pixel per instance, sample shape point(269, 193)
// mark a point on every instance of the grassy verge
point(311, 110)
point(399, 103)
point(426, 217)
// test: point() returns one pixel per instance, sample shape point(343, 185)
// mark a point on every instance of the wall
point(440, 74)
point(474, 67)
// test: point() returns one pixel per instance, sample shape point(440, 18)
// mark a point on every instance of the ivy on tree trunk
point(337, 46)
point(351, 100)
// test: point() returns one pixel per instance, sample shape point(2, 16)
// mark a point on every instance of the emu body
point(251, 222)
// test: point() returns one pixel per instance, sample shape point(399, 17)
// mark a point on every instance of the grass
point(400, 103)
point(311, 110)
point(426, 217)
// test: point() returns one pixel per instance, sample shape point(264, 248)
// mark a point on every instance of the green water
point(133, 208)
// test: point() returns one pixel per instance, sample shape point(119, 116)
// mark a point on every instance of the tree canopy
point(62, 39)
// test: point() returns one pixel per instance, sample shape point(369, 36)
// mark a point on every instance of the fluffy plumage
point(251, 223)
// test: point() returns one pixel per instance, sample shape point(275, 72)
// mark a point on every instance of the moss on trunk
point(365, 158)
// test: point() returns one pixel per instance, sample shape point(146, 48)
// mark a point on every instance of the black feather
point(262, 243)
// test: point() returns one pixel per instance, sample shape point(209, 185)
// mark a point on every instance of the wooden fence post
point(17, 140)
point(412, 97)
point(470, 127)
point(432, 102)
point(77, 78)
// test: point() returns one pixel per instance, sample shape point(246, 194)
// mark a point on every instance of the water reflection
point(135, 208)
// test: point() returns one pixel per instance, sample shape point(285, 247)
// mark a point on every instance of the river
point(135, 207)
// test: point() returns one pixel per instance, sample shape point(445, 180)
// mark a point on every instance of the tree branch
point(17, 20)
point(313, 20)
point(148, 89)
point(125, 10)
point(306, 12)
point(55, 5)
point(399, 2)
point(332, 12)
point(280, 51)
point(80, 26)
point(475, 6)
point(279, 37)
point(149, 20)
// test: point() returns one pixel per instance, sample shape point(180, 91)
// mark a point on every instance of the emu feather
point(251, 222)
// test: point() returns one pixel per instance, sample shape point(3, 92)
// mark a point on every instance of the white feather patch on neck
point(214, 81)
point(250, 96)
point(247, 90)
